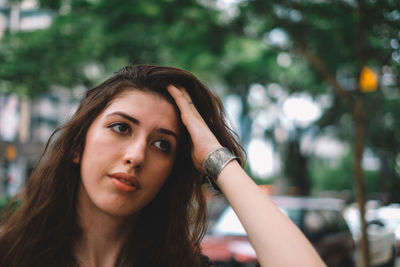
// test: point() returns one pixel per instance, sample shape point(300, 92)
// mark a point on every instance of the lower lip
point(122, 186)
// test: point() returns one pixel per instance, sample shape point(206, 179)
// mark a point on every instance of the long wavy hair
point(43, 230)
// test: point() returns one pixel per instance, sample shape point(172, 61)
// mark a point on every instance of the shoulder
point(206, 262)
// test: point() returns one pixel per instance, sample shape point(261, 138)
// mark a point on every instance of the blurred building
point(25, 125)
point(23, 16)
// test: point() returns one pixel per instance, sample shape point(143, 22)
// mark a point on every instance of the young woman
point(121, 184)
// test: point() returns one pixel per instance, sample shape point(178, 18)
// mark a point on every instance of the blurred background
point(311, 87)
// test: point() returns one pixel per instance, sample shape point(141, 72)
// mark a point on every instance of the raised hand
point(204, 141)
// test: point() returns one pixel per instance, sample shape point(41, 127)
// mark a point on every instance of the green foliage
point(227, 49)
point(327, 175)
point(107, 34)
point(33, 61)
point(8, 206)
point(324, 176)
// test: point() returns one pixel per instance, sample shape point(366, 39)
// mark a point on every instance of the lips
point(124, 181)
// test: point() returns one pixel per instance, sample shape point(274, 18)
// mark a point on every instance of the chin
point(115, 209)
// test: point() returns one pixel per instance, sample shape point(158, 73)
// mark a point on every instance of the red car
point(320, 219)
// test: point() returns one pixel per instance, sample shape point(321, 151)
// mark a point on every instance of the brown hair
point(43, 230)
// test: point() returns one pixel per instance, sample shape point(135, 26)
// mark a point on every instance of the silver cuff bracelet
point(216, 160)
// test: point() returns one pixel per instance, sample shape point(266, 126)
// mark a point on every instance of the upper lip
point(126, 176)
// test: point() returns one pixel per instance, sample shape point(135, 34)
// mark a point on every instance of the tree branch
point(323, 70)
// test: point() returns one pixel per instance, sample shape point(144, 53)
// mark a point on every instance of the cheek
point(98, 147)
point(94, 159)
point(159, 175)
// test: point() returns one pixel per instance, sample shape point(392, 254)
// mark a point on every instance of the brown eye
point(121, 128)
point(164, 146)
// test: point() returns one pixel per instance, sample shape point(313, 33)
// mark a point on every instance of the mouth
point(125, 181)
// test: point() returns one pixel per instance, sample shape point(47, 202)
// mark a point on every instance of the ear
point(77, 158)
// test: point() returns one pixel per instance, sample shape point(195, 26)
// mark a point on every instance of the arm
point(276, 240)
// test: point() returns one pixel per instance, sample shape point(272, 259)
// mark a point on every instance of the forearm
point(276, 240)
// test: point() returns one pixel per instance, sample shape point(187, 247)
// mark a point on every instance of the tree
point(109, 35)
point(332, 36)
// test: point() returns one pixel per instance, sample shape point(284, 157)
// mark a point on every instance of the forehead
point(146, 104)
point(136, 96)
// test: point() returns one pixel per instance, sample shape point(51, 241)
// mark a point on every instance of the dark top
point(206, 262)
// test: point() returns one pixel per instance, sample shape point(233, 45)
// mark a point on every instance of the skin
point(128, 137)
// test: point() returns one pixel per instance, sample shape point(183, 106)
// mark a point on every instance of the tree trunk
point(245, 121)
point(296, 167)
point(358, 112)
point(360, 125)
point(356, 106)
point(359, 130)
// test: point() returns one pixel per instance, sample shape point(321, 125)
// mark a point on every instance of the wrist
point(216, 161)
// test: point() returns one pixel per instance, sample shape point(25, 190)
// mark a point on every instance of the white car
point(382, 241)
point(390, 215)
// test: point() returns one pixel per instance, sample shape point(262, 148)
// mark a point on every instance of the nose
point(135, 153)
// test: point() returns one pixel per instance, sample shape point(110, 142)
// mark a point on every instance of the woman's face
point(129, 152)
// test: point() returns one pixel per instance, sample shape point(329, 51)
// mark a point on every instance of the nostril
point(134, 155)
point(136, 166)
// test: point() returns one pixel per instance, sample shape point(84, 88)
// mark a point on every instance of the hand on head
point(204, 141)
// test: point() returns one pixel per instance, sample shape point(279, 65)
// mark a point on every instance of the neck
point(102, 237)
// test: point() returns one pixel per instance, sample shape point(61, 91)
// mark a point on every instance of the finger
point(182, 99)
point(186, 94)
point(202, 137)
point(189, 101)
point(178, 96)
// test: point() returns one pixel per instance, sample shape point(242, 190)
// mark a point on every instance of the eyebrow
point(137, 122)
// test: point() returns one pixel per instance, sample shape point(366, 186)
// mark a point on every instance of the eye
point(164, 146)
point(120, 127)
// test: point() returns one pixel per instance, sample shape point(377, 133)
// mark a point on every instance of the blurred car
point(390, 215)
point(320, 219)
point(382, 241)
